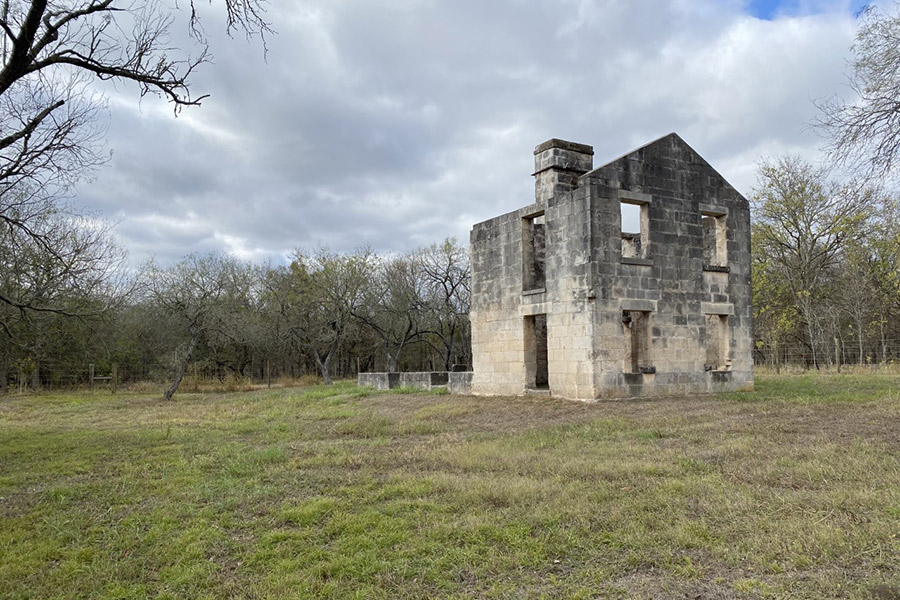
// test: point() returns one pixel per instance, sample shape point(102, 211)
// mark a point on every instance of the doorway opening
point(536, 356)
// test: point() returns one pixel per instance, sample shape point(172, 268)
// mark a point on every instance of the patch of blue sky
point(772, 9)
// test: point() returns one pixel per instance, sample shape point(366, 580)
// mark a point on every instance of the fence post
point(268, 373)
point(91, 375)
point(837, 354)
point(115, 377)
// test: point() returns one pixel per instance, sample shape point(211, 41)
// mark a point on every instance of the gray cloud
point(395, 124)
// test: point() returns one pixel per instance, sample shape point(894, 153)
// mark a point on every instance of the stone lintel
point(713, 210)
point(716, 268)
point(630, 260)
point(638, 305)
point(630, 197)
point(531, 211)
point(717, 308)
point(538, 308)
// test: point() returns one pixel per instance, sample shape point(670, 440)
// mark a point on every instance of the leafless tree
point(445, 270)
point(395, 307)
point(864, 132)
point(194, 291)
point(315, 300)
point(50, 51)
point(73, 259)
point(50, 131)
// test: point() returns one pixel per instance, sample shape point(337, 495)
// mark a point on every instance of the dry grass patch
point(791, 491)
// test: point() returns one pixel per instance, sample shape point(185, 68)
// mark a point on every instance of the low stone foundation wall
point(460, 382)
point(379, 381)
point(423, 380)
point(618, 385)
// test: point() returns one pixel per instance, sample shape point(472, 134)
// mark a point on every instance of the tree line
point(826, 268)
point(217, 316)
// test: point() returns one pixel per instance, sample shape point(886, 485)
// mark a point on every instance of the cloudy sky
point(397, 123)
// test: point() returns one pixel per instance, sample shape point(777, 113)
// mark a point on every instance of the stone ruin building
point(565, 302)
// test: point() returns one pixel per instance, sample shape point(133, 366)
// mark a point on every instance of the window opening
point(635, 227)
point(715, 247)
point(534, 253)
point(717, 343)
point(637, 338)
point(536, 356)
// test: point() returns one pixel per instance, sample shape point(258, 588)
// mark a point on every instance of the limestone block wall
point(508, 309)
point(379, 381)
point(675, 285)
point(497, 330)
point(460, 382)
point(671, 319)
point(568, 300)
point(424, 380)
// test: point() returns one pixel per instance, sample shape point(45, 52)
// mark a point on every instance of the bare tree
point(50, 130)
point(445, 270)
point(52, 48)
point(316, 298)
point(195, 292)
point(864, 133)
point(395, 308)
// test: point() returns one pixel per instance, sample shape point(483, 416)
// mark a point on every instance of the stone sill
point(720, 376)
point(638, 376)
point(716, 268)
point(537, 391)
point(644, 262)
point(534, 291)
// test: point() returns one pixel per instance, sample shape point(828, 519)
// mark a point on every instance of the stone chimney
point(557, 166)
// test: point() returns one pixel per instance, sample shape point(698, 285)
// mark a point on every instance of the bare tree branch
point(51, 126)
point(864, 132)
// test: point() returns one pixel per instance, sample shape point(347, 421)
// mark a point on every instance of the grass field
point(792, 491)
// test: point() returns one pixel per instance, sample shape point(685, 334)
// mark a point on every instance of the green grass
point(791, 491)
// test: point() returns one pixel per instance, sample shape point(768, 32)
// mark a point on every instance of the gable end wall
point(588, 285)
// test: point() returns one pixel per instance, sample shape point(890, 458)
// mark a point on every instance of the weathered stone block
point(460, 382)
point(379, 381)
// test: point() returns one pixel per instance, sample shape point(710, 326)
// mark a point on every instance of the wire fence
point(832, 354)
point(152, 376)
point(204, 373)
